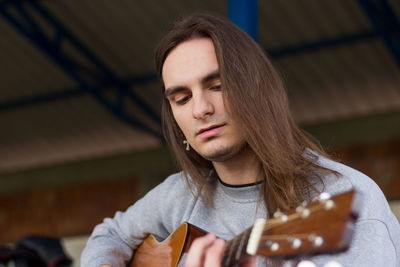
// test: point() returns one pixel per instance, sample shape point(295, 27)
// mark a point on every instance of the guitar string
point(277, 221)
point(285, 237)
point(234, 245)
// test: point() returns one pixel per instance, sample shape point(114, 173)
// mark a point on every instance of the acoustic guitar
point(325, 225)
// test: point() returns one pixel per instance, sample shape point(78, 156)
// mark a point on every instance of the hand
point(207, 251)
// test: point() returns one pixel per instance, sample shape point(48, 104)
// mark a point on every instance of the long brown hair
point(255, 98)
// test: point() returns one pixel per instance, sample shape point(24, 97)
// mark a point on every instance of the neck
point(244, 168)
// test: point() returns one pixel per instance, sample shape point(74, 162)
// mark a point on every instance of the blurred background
point(79, 99)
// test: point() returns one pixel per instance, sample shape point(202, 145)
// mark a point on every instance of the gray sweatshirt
point(376, 241)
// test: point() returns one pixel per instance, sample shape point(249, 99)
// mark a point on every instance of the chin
point(224, 153)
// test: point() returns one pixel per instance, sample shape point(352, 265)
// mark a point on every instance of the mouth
point(211, 130)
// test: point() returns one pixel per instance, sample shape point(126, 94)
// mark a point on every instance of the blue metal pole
point(244, 13)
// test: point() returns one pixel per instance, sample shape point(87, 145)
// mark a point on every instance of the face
point(194, 91)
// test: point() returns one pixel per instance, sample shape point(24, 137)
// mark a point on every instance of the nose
point(202, 106)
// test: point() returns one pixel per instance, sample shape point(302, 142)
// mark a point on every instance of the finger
point(214, 254)
point(195, 256)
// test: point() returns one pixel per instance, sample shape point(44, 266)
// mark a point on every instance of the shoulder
point(347, 178)
point(174, 200)
point(374, 203)
point(175, 180)
point(175, 184)
point(376, 218)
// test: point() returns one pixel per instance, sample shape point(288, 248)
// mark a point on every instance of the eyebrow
point(176, 89)
point(211, 76)
point(173, 90)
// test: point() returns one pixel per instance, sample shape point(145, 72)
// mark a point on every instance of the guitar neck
point(322, 226)
point(236, 249)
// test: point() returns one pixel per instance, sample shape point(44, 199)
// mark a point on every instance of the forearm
point(113, 241)
point(107, 245)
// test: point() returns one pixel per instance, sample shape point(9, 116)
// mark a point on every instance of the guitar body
point(152, 253)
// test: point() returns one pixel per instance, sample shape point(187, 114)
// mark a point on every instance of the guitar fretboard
point(235, 250)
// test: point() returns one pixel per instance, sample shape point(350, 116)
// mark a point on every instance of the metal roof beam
point(64, 93)
point(385, 22)
point(51, 46)
point(320, 44)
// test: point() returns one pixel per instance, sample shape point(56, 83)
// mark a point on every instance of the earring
point(187, 145)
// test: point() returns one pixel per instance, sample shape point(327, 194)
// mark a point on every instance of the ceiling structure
point(77, 78)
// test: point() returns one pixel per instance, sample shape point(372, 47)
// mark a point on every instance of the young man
point(226, 116)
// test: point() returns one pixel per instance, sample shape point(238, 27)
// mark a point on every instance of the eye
point(182, 99)
point(216, 87)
